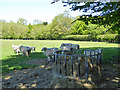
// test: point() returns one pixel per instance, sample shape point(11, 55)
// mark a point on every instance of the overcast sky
point(32, 9)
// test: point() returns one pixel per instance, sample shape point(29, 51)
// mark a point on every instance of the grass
point(11, 61)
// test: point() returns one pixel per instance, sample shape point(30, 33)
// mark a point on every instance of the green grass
point(11, 61)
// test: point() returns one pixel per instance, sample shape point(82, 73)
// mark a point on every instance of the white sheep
point(66, 45)
point(25, 50)
point(49, 52)
point(16, 49)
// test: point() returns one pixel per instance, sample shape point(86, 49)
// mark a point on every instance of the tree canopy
point(109, 12)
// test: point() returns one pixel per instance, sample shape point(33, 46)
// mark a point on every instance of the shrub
point(108, 37)
point(77, 37)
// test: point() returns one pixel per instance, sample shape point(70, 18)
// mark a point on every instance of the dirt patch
point(44, 77)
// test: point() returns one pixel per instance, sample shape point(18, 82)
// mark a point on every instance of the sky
point(43, 10)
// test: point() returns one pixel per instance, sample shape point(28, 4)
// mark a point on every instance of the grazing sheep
point(49, 52)
point(66, 45)
point(16, 49)
point(25, 50)
point(75, 46)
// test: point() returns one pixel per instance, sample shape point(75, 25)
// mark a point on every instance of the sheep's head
point(44, 49)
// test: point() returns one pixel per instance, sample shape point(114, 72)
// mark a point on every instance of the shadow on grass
point(109, 74)
point(15, 62)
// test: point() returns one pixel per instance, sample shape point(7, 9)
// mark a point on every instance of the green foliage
point(60, 26)
point(22, 21)
point(77, 37)
point(78, 28)
point(108, 37)
point(108, 12)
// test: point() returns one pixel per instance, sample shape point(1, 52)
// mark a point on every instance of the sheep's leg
point(27, 53)
point(17, 52)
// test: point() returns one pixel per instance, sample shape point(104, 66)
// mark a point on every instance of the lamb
point(49, 52)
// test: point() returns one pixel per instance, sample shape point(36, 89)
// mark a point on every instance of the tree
point(22, 21)
point(60, 26)
point(45, 23)
point(109, 12)
point(78, 28)
point(37, 22)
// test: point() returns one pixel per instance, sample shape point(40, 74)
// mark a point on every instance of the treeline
point(60, 28)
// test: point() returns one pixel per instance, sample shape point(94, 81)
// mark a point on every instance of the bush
point(77, 37)
point(108, 37)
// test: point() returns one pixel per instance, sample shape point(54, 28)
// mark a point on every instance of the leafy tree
point(45, 23)
point(22, 21)
point(78, 28)
point(37, 22)
point(60, 26)
point(109, 12)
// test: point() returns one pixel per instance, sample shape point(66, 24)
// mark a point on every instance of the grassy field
point(11, 61)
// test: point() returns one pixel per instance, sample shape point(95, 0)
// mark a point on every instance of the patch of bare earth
point(44, 77)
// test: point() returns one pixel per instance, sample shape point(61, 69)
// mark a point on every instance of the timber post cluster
point(78, 64)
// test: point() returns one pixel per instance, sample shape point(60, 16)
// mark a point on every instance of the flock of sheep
point(26, 50)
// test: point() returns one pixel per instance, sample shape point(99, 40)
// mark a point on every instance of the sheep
point(49, 52)
point(73, 46)
point(25, 50)
point(16, 49)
